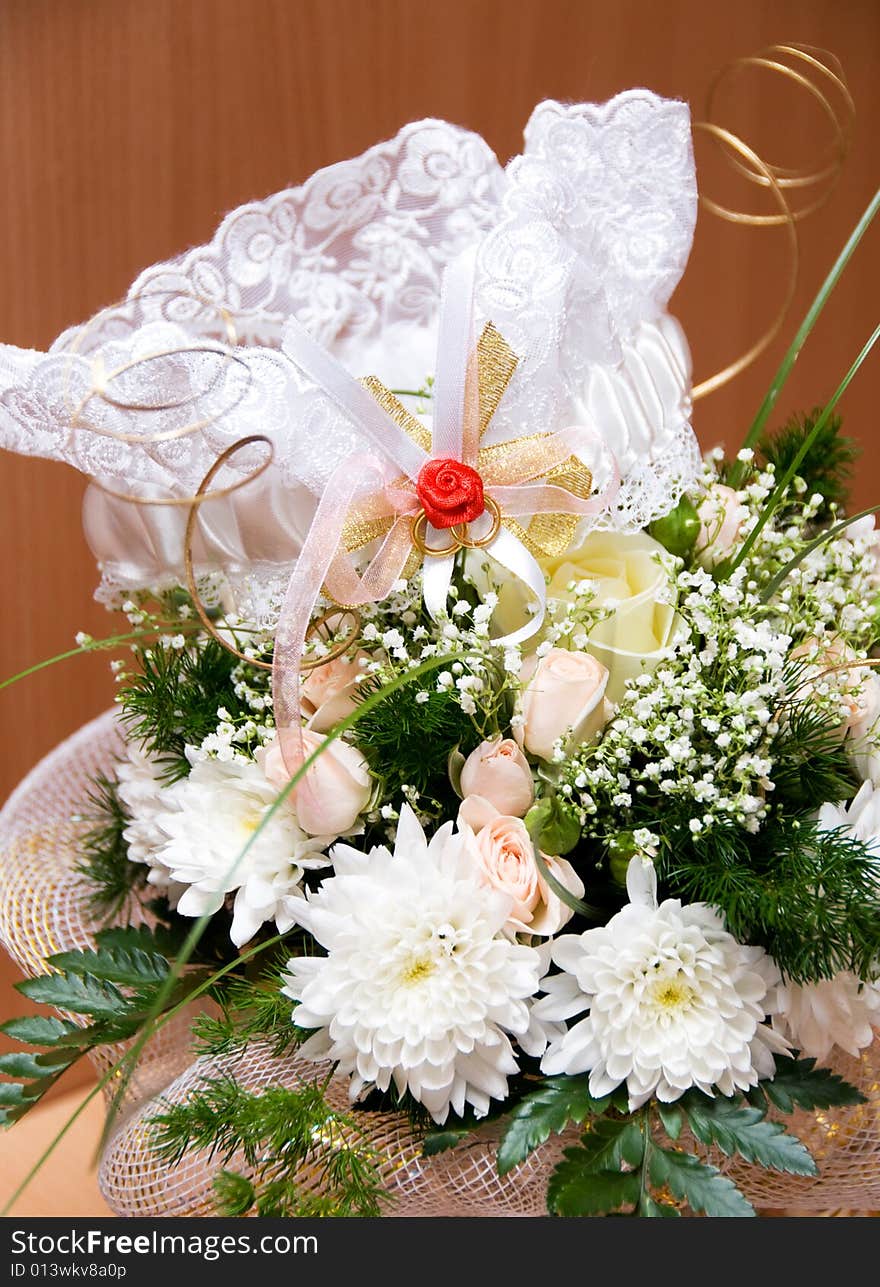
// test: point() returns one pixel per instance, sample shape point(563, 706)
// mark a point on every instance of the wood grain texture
point(129, 127)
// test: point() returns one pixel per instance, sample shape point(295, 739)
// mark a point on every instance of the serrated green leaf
point(744, 1130)
point(649, 1207)
point(556, 1103)
point(81, 994)
point(135, 937)
point(35, 1030)
point(12, 1093)
point(436, 1142)
point(798, 1083)
point(59, 1058)
point(609, 1142)
point(670, 1117)
point(21, 1063)
point(574, 1190)
point(703, 1187)
point(129, 967)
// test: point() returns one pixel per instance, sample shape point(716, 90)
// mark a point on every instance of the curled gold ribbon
point(820, 75)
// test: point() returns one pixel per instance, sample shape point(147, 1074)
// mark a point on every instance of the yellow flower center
point(421, 967)
point(672, 994)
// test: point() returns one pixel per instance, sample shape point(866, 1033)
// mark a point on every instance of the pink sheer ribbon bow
point(385, 495)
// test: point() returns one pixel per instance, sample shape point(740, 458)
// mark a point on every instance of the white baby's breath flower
point(419, 985)
point(673, 1001)
point(208, 820)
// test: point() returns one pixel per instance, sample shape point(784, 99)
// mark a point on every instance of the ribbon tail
point(513, 555)
point(436, 582)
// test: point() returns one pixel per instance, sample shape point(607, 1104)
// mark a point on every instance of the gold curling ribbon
point(820, 75)
point(325, 627)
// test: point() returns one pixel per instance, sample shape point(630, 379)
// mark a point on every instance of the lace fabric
point(581, 241)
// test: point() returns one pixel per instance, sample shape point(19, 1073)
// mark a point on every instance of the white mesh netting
point(44, 909)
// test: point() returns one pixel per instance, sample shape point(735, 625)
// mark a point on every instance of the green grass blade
point(804, 330)
point(775, 496)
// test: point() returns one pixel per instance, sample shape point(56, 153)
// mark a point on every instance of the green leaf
point(436, 1142)
point(609, 1142)
point(648, 1206)
point(38, 1031)
point(11, 1092)
point(82, 994)
point(670, 1116)
point(703, 1187)
point(798, 1083)
point(130, 967)
point(21, 1063)
point(547, 1110)
point(234, 1193)
point(743, 1130)
point(574, 1190)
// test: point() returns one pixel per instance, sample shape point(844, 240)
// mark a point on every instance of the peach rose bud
point(721, 519)
point(563, 698)
point(329, 691)
point(337, 790)
point(504, 851)
point(498, 771)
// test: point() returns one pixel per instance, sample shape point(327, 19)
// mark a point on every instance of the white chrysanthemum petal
point(815, 1017)
point(418, 984)
point(673, 1001)
point(199, 831)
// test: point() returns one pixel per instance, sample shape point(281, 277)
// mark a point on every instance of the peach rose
point(328, 691)
point(721, 518)
point(503, 849)
point(859, 686)
point(335, 791)
point(563, 697)
point(499, 771)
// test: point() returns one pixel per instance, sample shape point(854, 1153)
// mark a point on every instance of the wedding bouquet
point(493, 787)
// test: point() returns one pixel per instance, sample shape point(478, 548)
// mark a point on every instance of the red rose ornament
point(451, 493)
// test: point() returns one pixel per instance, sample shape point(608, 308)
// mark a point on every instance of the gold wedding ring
point(461, 538)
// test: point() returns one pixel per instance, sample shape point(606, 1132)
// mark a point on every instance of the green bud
point(620, 850)
point(678, 530)
point(552, 827)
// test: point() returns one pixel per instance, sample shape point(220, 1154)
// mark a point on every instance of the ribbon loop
point(450, 494)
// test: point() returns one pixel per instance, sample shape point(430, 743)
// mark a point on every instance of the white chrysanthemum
point(141, 790)
point(673, 1000)
point(210, 817)
point(815, 1017)
point(861, 818)
point(419, 983)
point(863, 742)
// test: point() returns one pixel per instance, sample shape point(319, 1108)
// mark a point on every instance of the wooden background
point(129, 127)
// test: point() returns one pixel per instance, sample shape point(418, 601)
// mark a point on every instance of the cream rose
point(503, 849)
point(563, 697)
point(498, 771)
point(328, 691)
point(721, 518)
point(338, 788)
point(628, 575)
